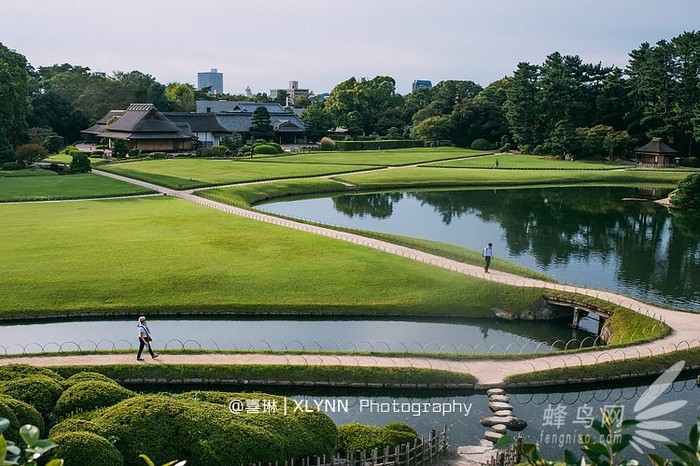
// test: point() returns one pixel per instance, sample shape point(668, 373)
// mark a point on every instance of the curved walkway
point(685, 327)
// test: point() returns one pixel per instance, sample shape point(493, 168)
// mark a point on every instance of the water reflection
point(588, 236)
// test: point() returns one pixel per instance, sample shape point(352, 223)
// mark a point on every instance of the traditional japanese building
point(656, 153)
point(142, 127)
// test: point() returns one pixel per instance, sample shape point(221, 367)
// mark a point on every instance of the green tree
point(27, 154)
point(53, 144)
point(522, 105)
point(14, 101)
point(181, 97)
point(434, 128)
point(477, 118)
point(120, 149)
point(317, 121)
point(563, 140)
point(261, 126)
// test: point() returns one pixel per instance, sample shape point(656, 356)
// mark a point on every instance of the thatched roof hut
point(656, 153)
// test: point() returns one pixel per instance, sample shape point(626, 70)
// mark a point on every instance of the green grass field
point(511, 161)
point(165, 254)
point(383, 158)
point(42, 185)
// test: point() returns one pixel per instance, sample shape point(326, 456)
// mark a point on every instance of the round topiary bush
point(690, 162)
point(86, 376)
point(11, 166)
point(12, 433)
point(327, 143)
point(480, 144)
point(25, 413)
point(39, 391)
point(361, 437)
point(90, 395)
point(208, 433)
point(18, 371)
point(74, 425)
point(265, 149)
point(277, 146)
point(83, 448)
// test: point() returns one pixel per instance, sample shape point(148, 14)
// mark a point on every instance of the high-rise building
point(418, 83)
point(212, 79)
point(292, 91)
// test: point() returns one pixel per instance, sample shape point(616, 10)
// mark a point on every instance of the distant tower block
point(212, 79)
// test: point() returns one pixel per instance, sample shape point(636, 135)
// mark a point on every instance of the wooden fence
point(422, 451)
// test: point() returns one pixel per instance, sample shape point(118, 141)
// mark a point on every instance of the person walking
point(144, 339)
point(487, 254)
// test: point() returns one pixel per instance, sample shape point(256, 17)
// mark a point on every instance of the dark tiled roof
point(138, 121)
point(198, 122)
point(655, 146)
point(225, 106)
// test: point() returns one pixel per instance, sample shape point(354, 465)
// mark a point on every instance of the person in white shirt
point(487, 254)
point(144, 339)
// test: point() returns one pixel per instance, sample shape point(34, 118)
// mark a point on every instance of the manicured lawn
point(46, 185)
point(165, 254)
point(430, 177)
point(195, 173)
point(388, 158)
point(510, 161)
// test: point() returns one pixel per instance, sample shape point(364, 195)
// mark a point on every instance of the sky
point(265, 44)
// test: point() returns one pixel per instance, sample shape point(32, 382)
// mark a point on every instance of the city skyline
point(321, 44)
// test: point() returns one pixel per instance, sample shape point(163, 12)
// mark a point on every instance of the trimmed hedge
point(377, 145)
point(361, 437)
point(208, 433)
point(6, 412)
point(87, 376)
point(40, 391)
point(73, 424)
point(85, 448)
point(265, 149)
point(19, 371)
point(88, 396)
point(25, 413)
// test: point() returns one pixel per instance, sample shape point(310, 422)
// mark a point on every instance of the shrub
point(217, 151)
point(74, 424)
point(277, 146)
point(208, 433)
point(53, 144)
point(30, 153)
point(265, 149)
point(480, 144)
point(157, 155)
point(120, 148)
point(18, 371)
point(80, 448)
point(98, 153)
point(361, 437)
point(688, 193)
point(327, 143)
point(245, 150)
point(80, 164)
point(693, 162)
point(11, 166)
point(90, 395)
point(40, 391)
point(376, 145)
point(86, 376)
point(25, 413)
point(7, 413)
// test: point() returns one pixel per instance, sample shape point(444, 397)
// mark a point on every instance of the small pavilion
point(656, 154)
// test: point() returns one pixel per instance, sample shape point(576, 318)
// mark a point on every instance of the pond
point(585, 236)
point(464, 336)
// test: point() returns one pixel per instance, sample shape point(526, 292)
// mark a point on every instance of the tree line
point(562, 106)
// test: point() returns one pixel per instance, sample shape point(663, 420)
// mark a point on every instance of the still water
point(442, 335)
point(584, 236)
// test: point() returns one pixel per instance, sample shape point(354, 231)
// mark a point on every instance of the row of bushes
point(87, 409)
point(377, 145)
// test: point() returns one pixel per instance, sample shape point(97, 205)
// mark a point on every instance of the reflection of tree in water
point(379, 205)
point(656, 252)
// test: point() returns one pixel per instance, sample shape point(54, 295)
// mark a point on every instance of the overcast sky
point(264, 44)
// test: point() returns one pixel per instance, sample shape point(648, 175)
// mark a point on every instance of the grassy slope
point(33, 188)
point(166, 254)
point(510, 161)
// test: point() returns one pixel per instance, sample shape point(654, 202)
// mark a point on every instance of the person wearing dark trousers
point(144, 339)
point(487, 254)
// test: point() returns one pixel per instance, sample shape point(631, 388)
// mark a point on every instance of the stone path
point(685, 327)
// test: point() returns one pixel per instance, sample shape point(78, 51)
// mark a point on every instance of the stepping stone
point(499, 429)
point(499, 398)
point(499, 405)
point(495, 391)
point(472, 449)
point(492, 436)
point(503, 412)
point(495, 420)
point(486, 443)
